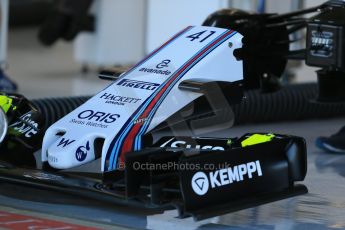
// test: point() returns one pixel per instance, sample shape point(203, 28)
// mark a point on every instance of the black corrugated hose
point(53, 109)
point(293, 102)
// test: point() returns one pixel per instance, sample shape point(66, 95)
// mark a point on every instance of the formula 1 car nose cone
point(68, 152)
point(3, 125)
point(147, 95)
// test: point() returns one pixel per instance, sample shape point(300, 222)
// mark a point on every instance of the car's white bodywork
point(142, 98)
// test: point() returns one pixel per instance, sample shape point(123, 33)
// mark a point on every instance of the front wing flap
point(199, 183)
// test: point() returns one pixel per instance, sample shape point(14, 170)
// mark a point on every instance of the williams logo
point(159, 68)
point(81, 152)
point(201, 182)
point(64, 142)
point(118, 100)
point(138, 84)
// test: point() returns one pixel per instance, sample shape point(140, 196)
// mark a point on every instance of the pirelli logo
point(138, 84)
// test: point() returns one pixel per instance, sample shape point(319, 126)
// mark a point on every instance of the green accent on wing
point(5, 103)
point(257, 139)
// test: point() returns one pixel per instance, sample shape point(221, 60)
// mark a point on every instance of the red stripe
point(13, 221)
point(166, 43)
point(159, 48)
point(128, 142)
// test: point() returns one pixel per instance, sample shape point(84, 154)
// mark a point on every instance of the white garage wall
point(4, 5)
point(165, 17)
point(119, 35)
point(129, 29)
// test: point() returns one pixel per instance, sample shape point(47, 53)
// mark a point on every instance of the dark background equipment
point(266, 42)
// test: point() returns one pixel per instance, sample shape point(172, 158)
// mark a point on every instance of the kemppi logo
point(201, 182)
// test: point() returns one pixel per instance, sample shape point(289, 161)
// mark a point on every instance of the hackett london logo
point(118, 100)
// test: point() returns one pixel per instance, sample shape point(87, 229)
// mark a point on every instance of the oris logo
point(201, 182)
point(98, 116)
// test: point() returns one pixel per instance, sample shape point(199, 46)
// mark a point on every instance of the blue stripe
point(115, 151)
point(149, 57)
point(146, 103)
point(123, 135)
point(154, 110)
point(142, 62)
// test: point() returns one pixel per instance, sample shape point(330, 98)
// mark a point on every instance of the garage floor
point(322, 208)
point(43, 72)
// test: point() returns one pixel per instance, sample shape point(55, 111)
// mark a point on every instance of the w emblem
point(64, 142)
point(81, 152)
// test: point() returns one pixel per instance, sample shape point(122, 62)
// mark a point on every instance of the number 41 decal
point(203, 35)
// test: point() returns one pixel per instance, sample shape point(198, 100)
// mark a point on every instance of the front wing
point(199, 183)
